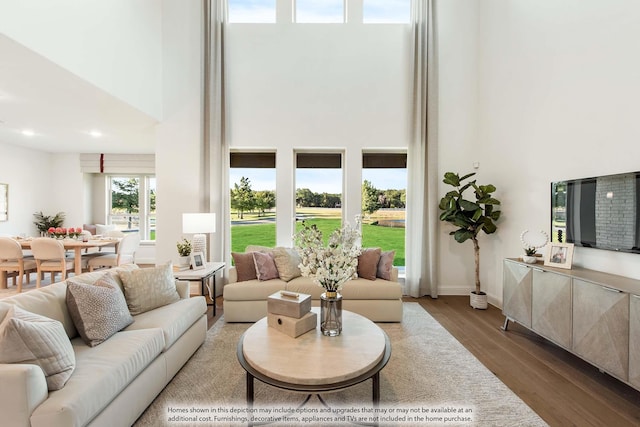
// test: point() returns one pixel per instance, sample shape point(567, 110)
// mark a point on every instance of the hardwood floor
point(560, 387)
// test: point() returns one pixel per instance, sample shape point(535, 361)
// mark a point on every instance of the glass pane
point(253, 207)
point(319, 199)
point(383, 210)
point(386, 11)
point(252, 11)
point(319, 11)
point(151, 216)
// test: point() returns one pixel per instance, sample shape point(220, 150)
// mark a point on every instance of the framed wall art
point(4, 202)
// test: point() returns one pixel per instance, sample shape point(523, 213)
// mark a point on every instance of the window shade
point(118, 163)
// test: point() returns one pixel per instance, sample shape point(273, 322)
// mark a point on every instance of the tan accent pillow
point(265, 267)
point(149, 288)
point(98, 310)
point(368, 263)
point(385, 265)
point(30, 338)
point(245, 266)
point(287, 261)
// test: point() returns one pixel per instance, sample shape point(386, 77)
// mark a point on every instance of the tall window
point(386, 11)
point(253, 199)
point(319, 190)
point(252, 11)
point(319, 11)
point(384, 192)
point(132, 205)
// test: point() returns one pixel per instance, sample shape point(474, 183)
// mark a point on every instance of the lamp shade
point(198, 223)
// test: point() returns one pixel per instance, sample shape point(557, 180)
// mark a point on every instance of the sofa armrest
point(183, 288)
point(394, 274)
point(233, 275)
point(23, 389)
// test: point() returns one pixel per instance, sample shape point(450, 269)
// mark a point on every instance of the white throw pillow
point(30, 338)
point(149, 288)
point(102, 229)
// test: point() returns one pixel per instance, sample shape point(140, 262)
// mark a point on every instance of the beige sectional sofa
point(246, 301)
point(112, 382)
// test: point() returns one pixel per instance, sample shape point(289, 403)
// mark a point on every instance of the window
point(386, 11)
point(252, 178)
point(384, 190)
point(252, 11)
point(319, 11)
point(132, 204)
point(319, 190)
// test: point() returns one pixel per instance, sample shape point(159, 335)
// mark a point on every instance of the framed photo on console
point(559, 255)
point(197, 260)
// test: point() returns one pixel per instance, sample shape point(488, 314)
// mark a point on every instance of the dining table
point(77, 246)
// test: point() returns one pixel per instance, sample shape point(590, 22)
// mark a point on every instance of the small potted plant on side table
point(184, 250)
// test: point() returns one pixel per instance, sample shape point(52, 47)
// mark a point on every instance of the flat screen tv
point(598, 212)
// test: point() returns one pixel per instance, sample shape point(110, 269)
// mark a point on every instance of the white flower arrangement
point(332, 265)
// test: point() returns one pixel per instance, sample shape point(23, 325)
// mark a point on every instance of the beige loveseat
point(246, 301)
point(112, 382)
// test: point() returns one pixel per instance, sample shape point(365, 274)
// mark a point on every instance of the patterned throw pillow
point(265, 266)
point(385, 265)
point(149, 288)
point(287, 261)
point(368, 263)
point(98, 310)
point(30, 338)
point(245, 266)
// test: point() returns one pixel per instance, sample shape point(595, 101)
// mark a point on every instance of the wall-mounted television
point(598, 212)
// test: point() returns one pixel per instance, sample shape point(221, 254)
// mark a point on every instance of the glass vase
point(331, 314)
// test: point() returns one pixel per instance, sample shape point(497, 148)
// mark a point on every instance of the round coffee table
point(312, 362)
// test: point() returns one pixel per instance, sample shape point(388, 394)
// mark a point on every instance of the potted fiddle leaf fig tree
point(470, 217)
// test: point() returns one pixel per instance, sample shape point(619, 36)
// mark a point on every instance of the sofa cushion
point(361, 289)
point(149, 288)
point(174, 319)
point(101, 373)
point(30, 338)
point(265, 266)
point(368, 263)
point(48, 301)
point(258, 248)
point(252, 290)
point(287, 261)
point(385, 265)
point(245, 267)
point(104, 228)
point(99, 310)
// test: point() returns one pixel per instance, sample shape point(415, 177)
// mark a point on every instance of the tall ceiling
point(62, 109)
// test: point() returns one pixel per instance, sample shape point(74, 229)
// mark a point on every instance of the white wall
point(179, 136)
point(116, 44)
point(30, 190)
point(340, 87)
point(557, 98)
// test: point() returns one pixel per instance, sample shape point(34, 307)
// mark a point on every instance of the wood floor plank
point(560, 387)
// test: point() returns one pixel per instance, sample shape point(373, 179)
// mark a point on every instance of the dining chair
point(124, 255)
point(50, 257)
point(12, 260)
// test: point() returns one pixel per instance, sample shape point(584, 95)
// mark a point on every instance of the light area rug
point(431, 379)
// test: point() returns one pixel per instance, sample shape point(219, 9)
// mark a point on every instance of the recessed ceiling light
point(28, 132)
point(95, 133)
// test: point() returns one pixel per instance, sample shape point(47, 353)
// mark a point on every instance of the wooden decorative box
point(289, 304)
point(292, 326)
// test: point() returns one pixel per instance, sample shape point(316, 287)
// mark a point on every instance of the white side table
point(203, 275)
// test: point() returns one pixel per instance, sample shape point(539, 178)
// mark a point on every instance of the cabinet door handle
point(538, 269)
point(635, 296)
point(606, 288)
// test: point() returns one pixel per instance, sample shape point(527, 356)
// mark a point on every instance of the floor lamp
point(199, 224)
